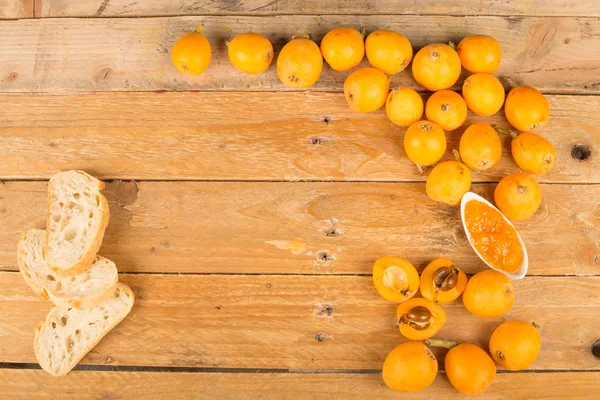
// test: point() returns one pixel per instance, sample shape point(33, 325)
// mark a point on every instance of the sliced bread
point(77, 217)
point(68, 334)
point(83, 290)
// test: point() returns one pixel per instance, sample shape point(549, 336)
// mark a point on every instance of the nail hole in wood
point(324, 256)
point(581, 152)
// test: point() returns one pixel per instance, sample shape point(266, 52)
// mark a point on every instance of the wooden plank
point(54, 55)
point(296, 322)
point(14, 9)
point(122, 8)
point(24, 384)
point(291, 136)
point(312, 228)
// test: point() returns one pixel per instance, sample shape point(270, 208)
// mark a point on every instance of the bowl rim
point(522, 271)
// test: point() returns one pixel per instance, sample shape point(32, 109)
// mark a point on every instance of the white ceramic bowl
point(521, 272)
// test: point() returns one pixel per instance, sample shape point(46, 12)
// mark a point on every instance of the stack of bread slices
point(60, 264)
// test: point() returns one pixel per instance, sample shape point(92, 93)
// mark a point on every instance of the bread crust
point(36, 341)
point(88, 258)
point(58, 300)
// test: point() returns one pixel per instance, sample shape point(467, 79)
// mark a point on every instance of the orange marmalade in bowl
point(494, 238)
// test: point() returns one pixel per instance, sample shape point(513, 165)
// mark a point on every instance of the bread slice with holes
point(68, 334)
point(77, 218)
point(83, 290)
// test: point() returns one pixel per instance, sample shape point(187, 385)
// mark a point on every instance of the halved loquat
point(395, 278)
point(442, 281)
point(420, 319)
point(410, 367)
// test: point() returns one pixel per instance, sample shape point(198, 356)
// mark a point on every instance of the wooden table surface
point(246, 216)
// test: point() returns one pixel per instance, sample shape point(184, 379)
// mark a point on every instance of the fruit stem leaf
point(510, 132)
point(536, 326)
point(452, 44)
point(445, 343)
point(199, 28)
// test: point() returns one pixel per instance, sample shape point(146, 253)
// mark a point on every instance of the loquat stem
point(301, 36)
point(510, 132)
point(363, 32)
point(457, 155)
point(420, 168)
point(199, 28)
point(536, 326)
point(452, 44)
point(445, 343)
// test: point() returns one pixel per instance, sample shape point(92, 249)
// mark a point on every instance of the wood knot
point(123, 193)
point(595, 349)
point(581, 152)
point(320, 337)
point(13, 76)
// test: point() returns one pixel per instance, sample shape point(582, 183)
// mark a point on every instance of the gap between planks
point(134, 368)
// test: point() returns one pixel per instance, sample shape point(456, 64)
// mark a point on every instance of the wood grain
point(242, 136)
point(296, 322)
point(23, 384)
point(121, 8)
point(311, 228)
point(132, 54)
point(14, 9)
